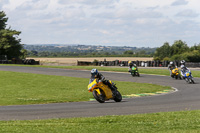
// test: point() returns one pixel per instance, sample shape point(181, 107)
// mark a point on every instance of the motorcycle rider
point(131, 64)
point(171, 66)
point(99, 76)
point(184, 69)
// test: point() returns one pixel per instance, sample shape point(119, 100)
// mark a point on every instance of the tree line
point(178, 51)
point(85, 54)
point(72, 51)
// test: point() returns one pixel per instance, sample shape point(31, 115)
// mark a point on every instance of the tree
point(195, 47)
point(178, 51)
point(128, 52)
point(179, 47)
point(3, 20)
point(9, 41)
point(163, 52)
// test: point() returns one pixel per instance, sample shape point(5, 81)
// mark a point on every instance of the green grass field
point(26, 88)
point(23, 88)
point(170, 122)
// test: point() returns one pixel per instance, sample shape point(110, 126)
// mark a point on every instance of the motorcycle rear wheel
point(99, 98)
point(118, 97)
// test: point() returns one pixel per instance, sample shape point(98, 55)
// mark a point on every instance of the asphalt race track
point(186, 98)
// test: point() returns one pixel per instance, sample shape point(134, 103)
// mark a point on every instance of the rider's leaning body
point(171, 66)
point(131, 64)
point(96, 75)
point(184, 69)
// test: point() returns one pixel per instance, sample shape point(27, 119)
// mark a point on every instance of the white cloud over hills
point(104, 22)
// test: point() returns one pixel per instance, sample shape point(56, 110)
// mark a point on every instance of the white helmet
point(171, 63)
point(183, 61)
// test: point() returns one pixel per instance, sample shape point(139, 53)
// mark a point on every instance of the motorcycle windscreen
point(91, 85)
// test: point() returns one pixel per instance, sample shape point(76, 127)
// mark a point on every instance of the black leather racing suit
point(99, 76)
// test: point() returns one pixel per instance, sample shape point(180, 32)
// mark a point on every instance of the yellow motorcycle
point(176, 73)
point(102, 92)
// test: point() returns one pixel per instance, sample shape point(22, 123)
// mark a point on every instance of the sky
point(136, 23)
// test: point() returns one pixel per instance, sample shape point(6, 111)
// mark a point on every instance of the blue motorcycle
point(188, 77)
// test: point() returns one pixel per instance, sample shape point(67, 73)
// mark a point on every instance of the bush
point(193, 56)
point(156, 58)
point(166, 59)
point(179, 57)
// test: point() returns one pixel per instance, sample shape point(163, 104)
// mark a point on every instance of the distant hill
point(34, 50)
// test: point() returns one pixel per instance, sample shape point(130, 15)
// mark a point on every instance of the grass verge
point(26, 88)
point(170, 122)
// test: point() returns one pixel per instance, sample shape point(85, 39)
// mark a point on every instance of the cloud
point(128, 14)
point(179, 2)
point(187, 13)
point(88, 2)
point(106, 22)
point(153, 8)
point(2, 3)
point(34, 5)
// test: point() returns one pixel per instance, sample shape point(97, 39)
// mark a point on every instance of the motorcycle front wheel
point(100, 98)
point(193, 81)
point(118, 97)
point(133, 74)
point(138, 74)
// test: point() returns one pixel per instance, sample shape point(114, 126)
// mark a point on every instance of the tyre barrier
point(30, 62)
point(5, 62)
point(19, 61)
point(138, 63)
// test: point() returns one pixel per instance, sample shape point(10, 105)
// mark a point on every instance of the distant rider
point(99, 76)
point(171, 66)
point(131, 64)
point(184, 69)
